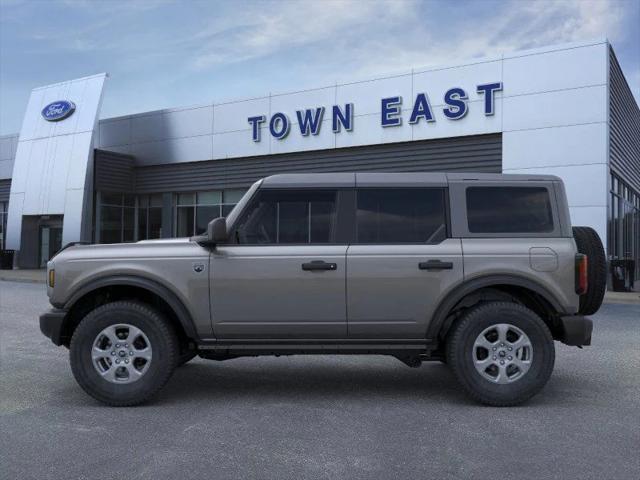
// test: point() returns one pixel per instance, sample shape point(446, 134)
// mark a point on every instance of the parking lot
point(317, 417)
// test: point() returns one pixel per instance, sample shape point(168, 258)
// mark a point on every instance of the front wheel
point(122, 353)
point(502, 353)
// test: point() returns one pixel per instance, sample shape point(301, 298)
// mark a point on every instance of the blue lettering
point(488, 89)
point(279, 125)
point(310, 123)
point(421, 109)
point(456, 99)
point(390, 110)
point(255, 126)
point(338, 118)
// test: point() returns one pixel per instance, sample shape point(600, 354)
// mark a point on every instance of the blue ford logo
point(56, 111)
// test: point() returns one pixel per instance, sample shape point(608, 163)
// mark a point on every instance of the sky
point(163, 54)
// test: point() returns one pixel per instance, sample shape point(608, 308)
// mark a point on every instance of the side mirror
point(217, 230)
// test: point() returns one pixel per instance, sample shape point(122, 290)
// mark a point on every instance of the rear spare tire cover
point(588, 243)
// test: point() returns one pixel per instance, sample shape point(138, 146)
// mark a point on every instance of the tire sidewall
point(88, 377)
point(543, 356)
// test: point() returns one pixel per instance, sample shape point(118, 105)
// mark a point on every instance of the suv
point(479, 271)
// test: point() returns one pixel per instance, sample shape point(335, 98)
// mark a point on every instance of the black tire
point(164, 350)
point(460, 352)
point(589, 243)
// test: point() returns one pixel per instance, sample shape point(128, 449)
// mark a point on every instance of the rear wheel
point(589, 243)
point(501, 353)
point(122, 353)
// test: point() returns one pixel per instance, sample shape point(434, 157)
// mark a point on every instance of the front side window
point(509, 210)
point(288, 217)
point(396, 215)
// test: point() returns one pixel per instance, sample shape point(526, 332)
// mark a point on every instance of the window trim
point(445, 203)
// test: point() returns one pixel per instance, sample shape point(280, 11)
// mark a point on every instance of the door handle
point(318, 265)
point(435, 265)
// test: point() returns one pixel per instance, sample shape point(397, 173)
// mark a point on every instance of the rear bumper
point(576, 330)
point(51, 324)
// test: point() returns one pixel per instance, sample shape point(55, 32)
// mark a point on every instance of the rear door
point(284, 274)
point(402, 261)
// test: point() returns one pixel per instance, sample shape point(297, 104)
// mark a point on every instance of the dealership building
point(565, 110)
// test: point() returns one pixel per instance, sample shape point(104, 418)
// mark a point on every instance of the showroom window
point(393, 215)
point(624, 225)
point(117, 217)
point(3, 223)
point(149, 216)
point(289, 217)
point(194, 210)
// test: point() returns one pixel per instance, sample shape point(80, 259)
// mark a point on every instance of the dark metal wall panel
point(5, 189)
point(478, 153)
point(624, 126)
point(114, 172)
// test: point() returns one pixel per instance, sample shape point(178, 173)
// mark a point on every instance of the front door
point(283, 276)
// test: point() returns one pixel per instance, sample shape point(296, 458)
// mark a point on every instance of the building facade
point(563, 110)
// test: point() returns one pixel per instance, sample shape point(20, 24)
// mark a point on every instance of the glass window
point(289, 217)
point(509, 210)
point(209, 198)
point(110, 224)
point(393, 215)
point(185, 221)
point(3, 223)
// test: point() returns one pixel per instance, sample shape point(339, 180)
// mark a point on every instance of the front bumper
point(51, 323)
point(576, 330)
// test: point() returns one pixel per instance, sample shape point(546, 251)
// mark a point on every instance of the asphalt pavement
point(317, 417)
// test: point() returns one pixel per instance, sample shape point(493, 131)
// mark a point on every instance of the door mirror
point(217, 230)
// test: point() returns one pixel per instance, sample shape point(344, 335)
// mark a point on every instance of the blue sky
point(163, 54)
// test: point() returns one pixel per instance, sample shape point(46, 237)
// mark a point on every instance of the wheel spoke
point(110, 333)
point(134, 332)
point(142, 353)
point(134, 374)
point(110, 375)
point(502, 329)
point(98, 353)
point(522, 341)
point(523, 365)
point(502, 374)
point(482, 341)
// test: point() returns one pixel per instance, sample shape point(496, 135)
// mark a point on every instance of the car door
point(401, 263)
point(283, 274)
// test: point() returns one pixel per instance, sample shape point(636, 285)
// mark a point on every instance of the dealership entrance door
point(41, 240)
point(50, 241)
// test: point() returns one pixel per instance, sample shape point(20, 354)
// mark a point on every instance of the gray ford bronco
point(479, 271)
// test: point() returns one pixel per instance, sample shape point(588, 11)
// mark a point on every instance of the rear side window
point(509, 210)
point(289, 217)
point(395, 215)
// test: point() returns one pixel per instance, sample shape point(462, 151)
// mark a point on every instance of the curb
point(20, 280)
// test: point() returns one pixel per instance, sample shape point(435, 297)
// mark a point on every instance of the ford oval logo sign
point(56, 111)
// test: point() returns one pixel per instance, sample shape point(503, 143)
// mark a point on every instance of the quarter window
point(394, 215)
point(289, 217)
point(509, 210)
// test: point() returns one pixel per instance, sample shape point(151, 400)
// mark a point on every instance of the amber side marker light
point(52, 278)
point(582, 283)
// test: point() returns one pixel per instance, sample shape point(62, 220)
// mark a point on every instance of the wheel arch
point(516, 287)
point(111, 288)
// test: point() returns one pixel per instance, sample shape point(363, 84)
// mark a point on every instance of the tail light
point(581, 274)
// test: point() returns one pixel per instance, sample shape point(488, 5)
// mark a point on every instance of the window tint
point(509, 210)
point(286, 217)
point(413, 215)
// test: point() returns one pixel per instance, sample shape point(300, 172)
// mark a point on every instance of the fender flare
point(166, 294)
point(458, 293)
